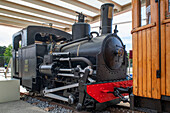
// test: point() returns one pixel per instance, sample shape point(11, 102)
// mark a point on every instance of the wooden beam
point(97, 18)
point(117, 6)
point(8, 25)
point(135, 14)
point(14, 13)
point(56, 7)
point(127, 6)
point(12, 24)
point(82, 5)
point(25, 22)
point(36, 11)
point(123, 11)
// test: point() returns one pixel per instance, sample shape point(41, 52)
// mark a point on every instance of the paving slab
point(19, 107)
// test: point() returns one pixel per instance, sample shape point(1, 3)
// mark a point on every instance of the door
point(145, 43)
point(165, 47)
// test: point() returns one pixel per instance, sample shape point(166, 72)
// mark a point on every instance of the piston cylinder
point(48, 69)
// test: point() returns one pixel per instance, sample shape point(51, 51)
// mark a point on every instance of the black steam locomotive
point(79, 68)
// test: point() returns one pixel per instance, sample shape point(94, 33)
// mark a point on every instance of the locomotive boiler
point(79, 69)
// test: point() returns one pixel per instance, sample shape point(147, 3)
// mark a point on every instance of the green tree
point(2, 50)
point(8, 53)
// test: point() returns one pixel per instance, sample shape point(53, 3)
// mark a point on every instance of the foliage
point(2, 50)
point(8, 53)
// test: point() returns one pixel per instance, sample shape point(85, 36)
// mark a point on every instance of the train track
point(121, 109)
point(53, 106)
point(49, 105)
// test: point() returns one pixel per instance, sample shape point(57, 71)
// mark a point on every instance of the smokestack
point(106, 18)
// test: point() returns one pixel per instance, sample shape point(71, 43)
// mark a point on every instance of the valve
point(81, 17)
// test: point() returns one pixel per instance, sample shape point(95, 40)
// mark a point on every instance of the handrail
point(143, 27)
point(165, 21)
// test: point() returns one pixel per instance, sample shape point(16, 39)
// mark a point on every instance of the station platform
point(19, 107)
point(10, 97)
point(9, 90)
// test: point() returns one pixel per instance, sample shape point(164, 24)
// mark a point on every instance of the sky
point(6, 35)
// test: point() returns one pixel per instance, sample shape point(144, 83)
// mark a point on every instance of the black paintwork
point(106, 18)
point(38, 65)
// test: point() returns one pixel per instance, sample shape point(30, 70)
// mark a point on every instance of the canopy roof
point(61, 13)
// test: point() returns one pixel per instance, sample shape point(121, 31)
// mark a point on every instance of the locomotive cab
point(26, 54)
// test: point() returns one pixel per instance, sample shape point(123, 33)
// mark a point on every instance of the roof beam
point(5, 11)
point(117, 6)
point(97, 18)
point(56, 7)
point(21, 25)
point(26, 22)
point(12, 24)
point(82, 5)
point(36, 11)
point(127, 6)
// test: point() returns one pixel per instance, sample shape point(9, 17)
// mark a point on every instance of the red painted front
point(99, 91)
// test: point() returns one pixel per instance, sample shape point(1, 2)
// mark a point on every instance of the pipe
point(74, 41)
point(66, 75)
point(159, 14)
point(82, 59)
point(78, 59)
point(61, 54)
point(68, 70)
point(159, 25)
point(94, 32)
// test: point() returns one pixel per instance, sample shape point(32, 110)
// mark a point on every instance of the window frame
point(140, 18)
point(167, 9)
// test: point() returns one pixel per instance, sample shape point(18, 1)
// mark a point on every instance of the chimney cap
point(108, 4)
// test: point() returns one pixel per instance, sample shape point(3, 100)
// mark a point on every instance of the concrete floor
point(19, 107)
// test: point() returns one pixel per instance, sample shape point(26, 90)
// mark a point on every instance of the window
point(167, 9)
point(169, 6)
point(145, 12)
point(17, 42)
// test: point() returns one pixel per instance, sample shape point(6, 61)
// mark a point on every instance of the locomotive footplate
point(104, 92)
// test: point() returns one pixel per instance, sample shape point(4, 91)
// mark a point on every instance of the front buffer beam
point(103, 92)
